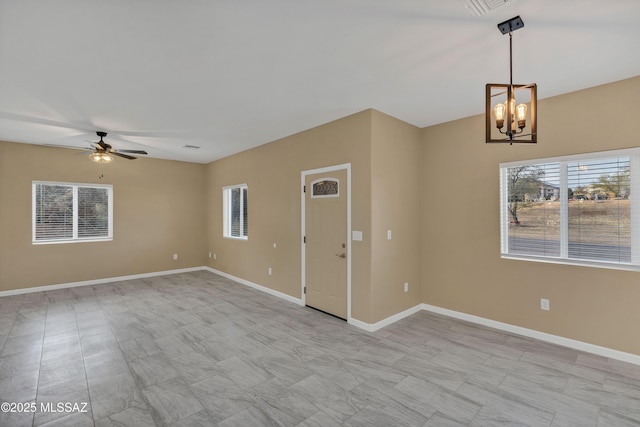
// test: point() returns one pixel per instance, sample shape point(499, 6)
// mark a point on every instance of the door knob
point(342, 255)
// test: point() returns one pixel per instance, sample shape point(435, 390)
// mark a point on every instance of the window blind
point(93, 212)
point(573, 209)
point(599, 210)
point(533, 209)
point(235, 212)
point(64, 212)
point(53, 212)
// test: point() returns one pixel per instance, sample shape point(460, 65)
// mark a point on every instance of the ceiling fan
point(103, 152)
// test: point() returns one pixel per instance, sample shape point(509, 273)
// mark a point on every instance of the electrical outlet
point(406, 286)
point(274, 245)
point(270, 271)
point(544, 304)
point(214, 256)
point(388, 234)
point(175, 257)
point(209, 254)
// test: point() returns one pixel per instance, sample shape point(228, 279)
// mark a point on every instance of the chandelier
point(511, 109)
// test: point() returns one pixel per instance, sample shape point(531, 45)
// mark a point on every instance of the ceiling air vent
point(482, 7)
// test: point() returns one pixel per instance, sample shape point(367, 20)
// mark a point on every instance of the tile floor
point(196, 349)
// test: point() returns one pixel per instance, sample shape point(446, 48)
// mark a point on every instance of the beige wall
point(272, 173)
point(158, 211)
point(461, 265)
point(385, 161)
point(395, 196)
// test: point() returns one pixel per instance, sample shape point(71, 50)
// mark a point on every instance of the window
point(325, 187)
point(63, 212)
point(573, 209)
point(235, 212)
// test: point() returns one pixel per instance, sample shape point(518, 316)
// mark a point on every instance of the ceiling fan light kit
point(100, 157)
point(510, 110)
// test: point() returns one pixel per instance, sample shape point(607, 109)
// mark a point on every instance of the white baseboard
point(95, 281)
point(355, 322)
point(269, 291)
point(542, 336)
point(372, 327)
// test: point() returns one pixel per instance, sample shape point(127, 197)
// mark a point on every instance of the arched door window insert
point(325, 187)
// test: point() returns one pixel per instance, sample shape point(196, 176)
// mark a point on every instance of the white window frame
point(75, 238)
point(634, 156)
point(226, 212)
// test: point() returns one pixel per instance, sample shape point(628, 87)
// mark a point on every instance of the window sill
point(580, 263)
point(235, 238)
point(58, 242)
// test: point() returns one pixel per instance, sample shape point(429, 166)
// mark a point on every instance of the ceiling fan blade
point(125, 156)
point(84, 128)
point(69, 146)
point(133, 151)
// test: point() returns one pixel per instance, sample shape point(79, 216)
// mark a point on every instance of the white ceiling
point(227, 75)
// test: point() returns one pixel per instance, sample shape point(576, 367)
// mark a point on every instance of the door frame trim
point(303, 176)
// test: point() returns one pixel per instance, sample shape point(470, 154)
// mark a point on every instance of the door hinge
point(305, 290)
point(304, 239)
point(304, 188)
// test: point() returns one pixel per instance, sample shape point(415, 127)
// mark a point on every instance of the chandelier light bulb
point(499, 110)
point(521, 115)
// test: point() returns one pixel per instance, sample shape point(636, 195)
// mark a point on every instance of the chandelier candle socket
point(511, 109)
